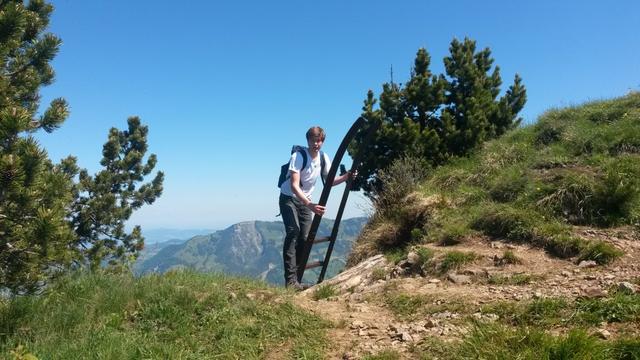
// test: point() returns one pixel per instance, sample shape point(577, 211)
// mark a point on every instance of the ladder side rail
point(343, 203)
point(325, 192)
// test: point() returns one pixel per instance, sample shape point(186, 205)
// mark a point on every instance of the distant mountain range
point(251, 248)
point(161, 235)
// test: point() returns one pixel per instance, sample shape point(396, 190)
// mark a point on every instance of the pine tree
point(438, 117)
point(34, 193)
point(54, 217)
point(105, 201)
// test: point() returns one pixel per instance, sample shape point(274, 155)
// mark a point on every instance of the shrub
point(398, 180)
point(547, 133)
point(506, 186)
point(600, 252)
point(619, 191)
point(564, 246)
point(506, 222)
point(571, 198)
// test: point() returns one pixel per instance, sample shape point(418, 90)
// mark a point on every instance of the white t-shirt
point(308, 176)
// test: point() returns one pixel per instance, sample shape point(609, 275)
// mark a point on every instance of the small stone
point(418, 329)
point(537, 295)
point(413, 258)
point(434, 281)
point(627, 287)
point(565, 273)
point(590, 277)
point(459, 279)
point(496, 245)
point(405, 337)
point(603, 333)
point(594, 292)
point(363, 332)
point(587, 264)
point(477, 315)
point(492, 317)
point(576, 271)
point(358, 325)
point(609, 277)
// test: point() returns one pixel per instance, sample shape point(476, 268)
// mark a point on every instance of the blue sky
point(227, 87)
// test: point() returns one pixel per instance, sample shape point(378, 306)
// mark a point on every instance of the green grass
point(379, 273)
point(516, 279)
point(176, 315)
point(577, 166)
point(508, 257)
point(404, 305)
point(600, 252)
point(454, 260)
point(619, 307)
point(395, 255)
point(324, 292)
point(498, 342)
point(408, 306)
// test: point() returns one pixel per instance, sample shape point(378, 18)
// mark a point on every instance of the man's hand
point(316, 209)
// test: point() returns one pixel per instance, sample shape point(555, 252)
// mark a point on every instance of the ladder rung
point(321, 239)
point(313, 264)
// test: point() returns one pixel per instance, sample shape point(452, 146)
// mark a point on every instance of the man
point(295, 202)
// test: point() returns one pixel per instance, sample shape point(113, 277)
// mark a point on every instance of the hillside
point(251, 248)
point(529, 249)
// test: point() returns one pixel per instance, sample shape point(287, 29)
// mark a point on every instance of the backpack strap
point(304, 158)
point(300, 149)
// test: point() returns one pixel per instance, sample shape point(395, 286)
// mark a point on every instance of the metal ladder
point(358, 125)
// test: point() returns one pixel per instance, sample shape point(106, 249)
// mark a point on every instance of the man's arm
point(295, 188)
point(342, 178)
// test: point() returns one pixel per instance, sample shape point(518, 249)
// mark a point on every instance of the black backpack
point(284, 169)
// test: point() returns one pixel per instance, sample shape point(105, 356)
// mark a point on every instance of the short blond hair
point(316, 131)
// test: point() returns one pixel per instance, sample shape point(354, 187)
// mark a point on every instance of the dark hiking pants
point(297, 222)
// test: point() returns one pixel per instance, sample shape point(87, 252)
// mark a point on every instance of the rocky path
point(363, 324)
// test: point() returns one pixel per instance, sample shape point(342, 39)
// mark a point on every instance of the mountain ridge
point(248, 248)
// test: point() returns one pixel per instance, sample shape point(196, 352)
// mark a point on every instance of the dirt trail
point(364, 325)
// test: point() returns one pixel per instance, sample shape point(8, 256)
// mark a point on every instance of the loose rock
point(459, 279)
point(627, 287)
point(587, 264)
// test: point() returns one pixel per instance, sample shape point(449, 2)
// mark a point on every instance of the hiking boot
point(297, 286)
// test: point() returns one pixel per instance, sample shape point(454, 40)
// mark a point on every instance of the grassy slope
point(179, 315)
point(576, 168)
